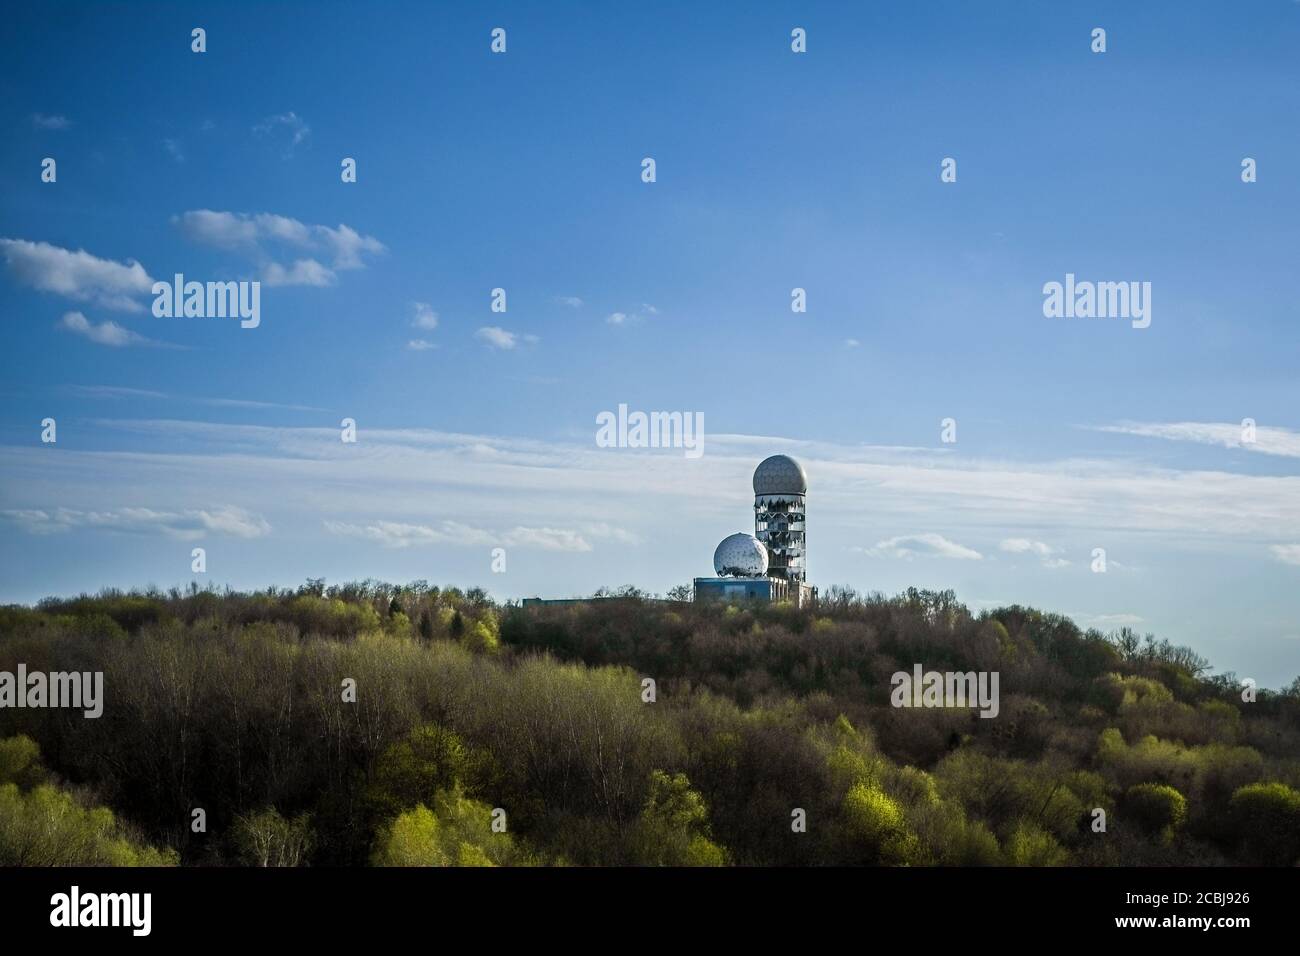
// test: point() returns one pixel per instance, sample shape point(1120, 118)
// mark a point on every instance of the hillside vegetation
point(497, 735)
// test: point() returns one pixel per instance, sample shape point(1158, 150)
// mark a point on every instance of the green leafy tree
point(20, 761)
point(49, 827)
point(876, 827)
point(673, 829)
point(483, 635)
point(457, 831)
point(412, 771)
point(398, 624)
point(1031, 845)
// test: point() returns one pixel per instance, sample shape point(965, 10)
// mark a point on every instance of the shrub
point(950, 839)
point(1267, 817)
point(1157, 808)
point(1030, 845)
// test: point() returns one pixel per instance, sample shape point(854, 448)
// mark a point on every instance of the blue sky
point(775, 170)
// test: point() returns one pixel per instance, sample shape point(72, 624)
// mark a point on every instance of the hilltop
point(371, 723)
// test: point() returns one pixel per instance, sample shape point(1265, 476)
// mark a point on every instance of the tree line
point(479, 733)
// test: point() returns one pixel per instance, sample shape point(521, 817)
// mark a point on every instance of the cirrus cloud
point(1267, 440)
point(186, 525)
point(398, 534)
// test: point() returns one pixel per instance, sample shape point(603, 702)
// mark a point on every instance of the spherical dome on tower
point(780, 475)
point(740, 555)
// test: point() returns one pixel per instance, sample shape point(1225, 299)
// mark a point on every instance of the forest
point(411, 725)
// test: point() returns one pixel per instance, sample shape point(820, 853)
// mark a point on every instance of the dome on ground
point(740, 555)
point(780, 475)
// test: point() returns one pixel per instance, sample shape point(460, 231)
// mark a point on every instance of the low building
point(754, 589)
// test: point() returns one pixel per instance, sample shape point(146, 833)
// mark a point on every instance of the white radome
point(740, 555)
point(780, 475)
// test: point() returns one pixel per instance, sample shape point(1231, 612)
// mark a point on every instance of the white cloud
point(631, 318)
point(116, 391)
point(1286, 553)
point(270, 225)
point(186, 525)
point(302, 272)
point(77, 275)
point(295, 129)
point(174, 150)
point(1268, 440)
point(41, 121)
point(391, 534)
point(347, 245)
point(223, 229)
point(546, 539)
point(604, 529)
point(106, 332)
point(421, 475)
point(247, 403)
point(851, 343)
point(499, 338)
point(420, 345)
point(396, 534)
point(228, 520)
point(1023, 545)
point(1044, 552)
point(251, 233)
point(928, 545)
point(570, 300)
point(425, 317)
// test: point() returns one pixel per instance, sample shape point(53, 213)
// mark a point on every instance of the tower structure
point(771, 564)
point(780, 511)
